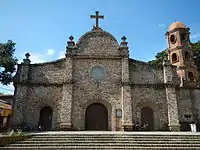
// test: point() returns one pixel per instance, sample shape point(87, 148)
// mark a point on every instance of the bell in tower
point(180, 54)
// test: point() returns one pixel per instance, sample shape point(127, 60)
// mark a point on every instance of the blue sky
point(42, 27)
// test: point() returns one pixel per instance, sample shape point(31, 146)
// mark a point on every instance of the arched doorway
point(96, 117)
point(147, 117)
point(45, 122)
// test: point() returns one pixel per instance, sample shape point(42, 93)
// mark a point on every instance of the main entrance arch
point(45, 121)
point(147, 117)
point(96, 117)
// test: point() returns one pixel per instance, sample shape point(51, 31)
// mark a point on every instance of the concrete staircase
point(108, 140)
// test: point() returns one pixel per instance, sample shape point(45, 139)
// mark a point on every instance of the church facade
point(98, 87)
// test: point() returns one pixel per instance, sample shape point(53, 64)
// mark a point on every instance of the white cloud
point(161, 25)
point(61, 54)
point(195, 36)
point(37, 58)
point(43, 57)
point(34, 58)
point(50, 51)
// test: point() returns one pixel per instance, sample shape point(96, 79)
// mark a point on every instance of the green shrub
point(4, 140)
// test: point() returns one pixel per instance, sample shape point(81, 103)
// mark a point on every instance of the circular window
point(98, 73)
point(172, 39)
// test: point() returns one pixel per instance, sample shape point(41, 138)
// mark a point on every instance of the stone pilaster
point(18, 110)
point(21, 92)
point(126, 96)
point(66, 105)
point(171, 97)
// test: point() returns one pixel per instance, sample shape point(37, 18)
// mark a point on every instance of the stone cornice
point(97, 56)
point(154, 66)
point(177, 29)
point(42, 84)
point(175, 48)
point(188, 87)
point(44, 63)
point(187, 66)
point(159, 86)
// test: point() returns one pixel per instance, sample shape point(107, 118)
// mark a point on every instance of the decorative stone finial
point(27, 55)
point(123, 48)
point(70, 46)
point(10, 41)
point(70, 43)
point(123, 43)
point(71, 38)
point(26, 60)
point(123, 38)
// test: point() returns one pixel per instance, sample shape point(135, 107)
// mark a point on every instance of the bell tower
point(180, 53)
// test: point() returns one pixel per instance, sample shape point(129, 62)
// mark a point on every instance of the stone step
point(155, 133)
point(106, 144)
point(111, 135)
point(114, 139)
point(95, 147)
point(157, 137)
point(121, 142)
point(98, 141)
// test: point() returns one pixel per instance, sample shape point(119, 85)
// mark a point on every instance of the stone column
point(66, 105)
point(171, 97)
point(126, 96)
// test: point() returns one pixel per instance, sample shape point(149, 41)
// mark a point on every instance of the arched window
point(174, 58)
point(190, 76)
point(187, 56)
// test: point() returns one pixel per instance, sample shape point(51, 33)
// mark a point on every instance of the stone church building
point(98, 87)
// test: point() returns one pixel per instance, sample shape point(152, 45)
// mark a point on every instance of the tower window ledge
point(175, 61)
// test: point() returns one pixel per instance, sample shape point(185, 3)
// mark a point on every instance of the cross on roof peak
point(97, 17)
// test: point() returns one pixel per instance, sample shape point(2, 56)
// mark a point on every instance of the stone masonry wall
point(152, 97)
point(40, 85)
point(188, 104)
point(184, 104)
point(86, 91)
point(97, 43)
point(39, 97)
point(143, 73)
point(196, 98)
point(52, 72)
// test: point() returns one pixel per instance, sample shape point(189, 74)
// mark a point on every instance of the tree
point(196, 51)
point(160, 57)
point(7, 62)
point(163, 55)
